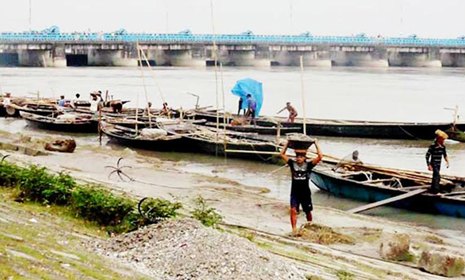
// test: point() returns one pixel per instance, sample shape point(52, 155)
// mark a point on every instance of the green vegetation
point(93, 203)
point(434, 239)
point(312, 277)
point(53, 246)
point(344, 275)
point(156, 209)
point(207, 216)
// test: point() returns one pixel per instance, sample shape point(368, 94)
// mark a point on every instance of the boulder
point(441, 263)
point(64, 146)
point(395, 247)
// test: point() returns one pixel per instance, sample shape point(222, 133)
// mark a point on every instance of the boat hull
point(174, 145)
point(425, 203)
point(50, 124)
point(358, 129)
point(378, 130)
point(258, 152)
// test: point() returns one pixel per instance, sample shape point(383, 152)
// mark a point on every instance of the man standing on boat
point(6, 102)
point(292, 112)
point(300, 188)
point(240, 107)
point(434, 158)
point(251, 107)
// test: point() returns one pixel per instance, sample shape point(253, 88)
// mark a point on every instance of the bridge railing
point(228, 39)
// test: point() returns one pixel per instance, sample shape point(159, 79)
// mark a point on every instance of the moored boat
point(372, 185)
point(138, 139)
point(74, 123)
point(348, 128)
point(232, 144)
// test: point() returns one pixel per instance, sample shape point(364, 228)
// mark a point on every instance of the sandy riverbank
point(262, 219)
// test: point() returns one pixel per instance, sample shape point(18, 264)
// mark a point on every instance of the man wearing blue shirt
point(61, 102)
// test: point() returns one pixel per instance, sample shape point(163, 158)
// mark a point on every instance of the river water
point(392, 94)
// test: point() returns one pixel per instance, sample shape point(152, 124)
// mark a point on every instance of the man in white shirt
point(6, 102)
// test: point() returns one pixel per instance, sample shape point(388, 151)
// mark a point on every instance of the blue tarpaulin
point(252, 87)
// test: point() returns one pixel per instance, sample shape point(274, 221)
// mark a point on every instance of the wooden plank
point(252, 152)
point(416, 187)
point(386, 201)
point(454, 193)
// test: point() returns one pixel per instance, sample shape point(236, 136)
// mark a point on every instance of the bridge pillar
point(42, 58)
point(415, 57)
point(290, 56)
point(456, 59)
point(182, 58)
point(359, 56)
point(242, 57)
point(310, 58)
point(32, 58)
point(111, 58)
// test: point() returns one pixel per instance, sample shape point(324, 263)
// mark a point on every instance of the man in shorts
point(300, 188)
point(292, 112)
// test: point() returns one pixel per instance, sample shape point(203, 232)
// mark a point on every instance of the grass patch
point(313, 277)
point(434, 239)
point(206, 215)
point(248, 235)
point(344, 275)
point(408, 257)
point(93, 203)
point(54, 231)
point(323, 235)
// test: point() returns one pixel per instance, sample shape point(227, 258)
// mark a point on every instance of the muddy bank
point(247, 211)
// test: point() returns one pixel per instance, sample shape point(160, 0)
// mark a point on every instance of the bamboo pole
point(303, 93)
point(153, 76)
point(215, 56)
point(48, 74)
point(225, 140)
point(1, 81)
point(100, 125)
point(139, 51)
point(137, 113)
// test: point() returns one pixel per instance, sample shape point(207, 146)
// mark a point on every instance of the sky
point(389, 18)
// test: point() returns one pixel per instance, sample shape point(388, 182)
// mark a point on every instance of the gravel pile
point(185, 249)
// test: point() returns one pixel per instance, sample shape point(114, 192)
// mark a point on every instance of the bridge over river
point(52, 48)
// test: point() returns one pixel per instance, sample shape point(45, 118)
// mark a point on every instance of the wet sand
point(242, 204)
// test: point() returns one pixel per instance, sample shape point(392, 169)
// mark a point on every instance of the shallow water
point(393, 94)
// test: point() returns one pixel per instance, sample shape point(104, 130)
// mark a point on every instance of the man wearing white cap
point(434, 158)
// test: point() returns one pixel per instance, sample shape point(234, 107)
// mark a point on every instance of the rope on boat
point(406, 132)
point(118, 170)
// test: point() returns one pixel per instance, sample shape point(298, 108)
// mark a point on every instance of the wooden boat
point(144, 122)
point(38, 109)
point(375, 184)
point(263, 130)
point(84, 124)
point(347, 128)
point(130, 137)
point(233, 144)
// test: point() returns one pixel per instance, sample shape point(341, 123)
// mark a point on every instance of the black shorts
point(304, 199)
point(251, 113)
